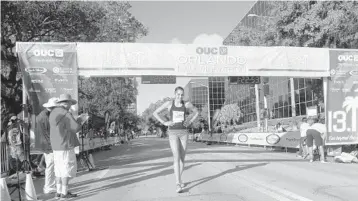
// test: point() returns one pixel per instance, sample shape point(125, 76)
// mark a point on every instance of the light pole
point(209, 124)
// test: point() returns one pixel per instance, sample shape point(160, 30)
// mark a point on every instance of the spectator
point(303, 129)
point(63, 129)
point(43, 132)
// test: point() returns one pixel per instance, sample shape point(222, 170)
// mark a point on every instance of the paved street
point(143, 171)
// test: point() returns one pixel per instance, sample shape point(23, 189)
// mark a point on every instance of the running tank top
point(177, 116)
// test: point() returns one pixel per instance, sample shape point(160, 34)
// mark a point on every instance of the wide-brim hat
point(52, 102)
point(66, 97)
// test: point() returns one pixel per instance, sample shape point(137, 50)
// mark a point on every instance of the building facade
point(217, 88)
point(196, 91)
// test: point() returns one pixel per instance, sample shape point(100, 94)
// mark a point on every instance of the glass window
point(297, 96)
point(286, 113)
point(308, 82)
point(295, 80)
point(298, 113)
point(303, 108)
point(302, 96)
point(309, 95)
point(301, 83)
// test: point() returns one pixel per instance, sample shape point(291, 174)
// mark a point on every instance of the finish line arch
point(50, 69)
point(136, 59)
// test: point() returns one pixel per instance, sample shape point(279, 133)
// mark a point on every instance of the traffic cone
point(90, 158)
point(30, 188)
point(5, 196)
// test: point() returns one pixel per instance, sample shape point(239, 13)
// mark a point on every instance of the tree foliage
point(302, 23)
point(107, 94)
point(57, 21)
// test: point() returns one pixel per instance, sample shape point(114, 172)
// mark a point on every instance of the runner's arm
point(194, 109)
point(159, 109)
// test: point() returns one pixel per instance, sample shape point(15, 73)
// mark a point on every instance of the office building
point(197, 92)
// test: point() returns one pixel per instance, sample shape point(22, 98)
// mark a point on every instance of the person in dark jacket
point(43, 134)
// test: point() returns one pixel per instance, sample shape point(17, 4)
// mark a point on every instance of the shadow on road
point(236, 169)
point(102, 188)
point(143, 154)
point(125, 156)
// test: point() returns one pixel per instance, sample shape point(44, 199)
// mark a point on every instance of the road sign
point(157, 79)
point(245, 80)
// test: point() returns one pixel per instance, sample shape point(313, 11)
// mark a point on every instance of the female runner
point(178, 134)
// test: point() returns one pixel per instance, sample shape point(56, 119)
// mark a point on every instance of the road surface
point(143, 171)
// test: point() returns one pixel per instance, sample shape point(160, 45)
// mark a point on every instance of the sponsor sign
point(242, 138)
point(342, 98)
point(147, 79)
point(289, 139)
point(273, 139)
point(250, 138)
point(48, 71)
point(286, 139)
point(311, 111)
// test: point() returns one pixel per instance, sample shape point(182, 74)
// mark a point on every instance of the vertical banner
point(49, 69)
point(342, 98)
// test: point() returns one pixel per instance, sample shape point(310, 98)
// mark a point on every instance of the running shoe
point(58, 196)
point(68, 196)
point(181, 184)
point(179, 188)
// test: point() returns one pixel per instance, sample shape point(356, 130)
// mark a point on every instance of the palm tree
point(351, 104)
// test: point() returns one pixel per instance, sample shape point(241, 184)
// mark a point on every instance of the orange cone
point(5, 196)
point(30, 188)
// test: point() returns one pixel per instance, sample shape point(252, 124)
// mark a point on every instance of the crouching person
point(316, 131)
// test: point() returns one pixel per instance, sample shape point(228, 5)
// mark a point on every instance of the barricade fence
point(284, 139)
point(95, 143)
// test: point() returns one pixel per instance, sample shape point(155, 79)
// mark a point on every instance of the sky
point(187, 23)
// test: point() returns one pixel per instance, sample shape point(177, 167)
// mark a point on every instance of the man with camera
point(63, 129)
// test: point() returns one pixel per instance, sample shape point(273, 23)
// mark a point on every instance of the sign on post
point(149, 79)
point(48, 70)
point(342, 98)
point(245, 80)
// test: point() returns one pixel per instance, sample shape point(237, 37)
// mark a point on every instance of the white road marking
point(103, 173)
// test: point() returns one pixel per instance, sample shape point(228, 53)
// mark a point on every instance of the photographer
point(63, 129)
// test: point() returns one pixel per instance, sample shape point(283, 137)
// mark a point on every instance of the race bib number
point(178, 116)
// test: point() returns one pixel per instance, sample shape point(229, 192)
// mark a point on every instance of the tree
point(227, 117)
point(302, 23)
point(319, 23)
point(56, 21)
point(107, 94)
